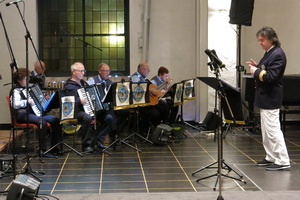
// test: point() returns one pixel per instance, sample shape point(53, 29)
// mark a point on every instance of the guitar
point(159, 91)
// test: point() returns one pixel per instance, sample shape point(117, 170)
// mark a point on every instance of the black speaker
point(241, 12)
point(161, 134)
point(211, 121)
point(23, 188)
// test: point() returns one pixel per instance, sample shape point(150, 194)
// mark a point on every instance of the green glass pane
point(104, 16)
point(96, 28)
point(53, 17)
point(78, 5)
point(70, 17)
point(112, 28)
point(96, 5)
point(121, 53)
point(97, 54)
point(78, 28)
point(105, 53)
point(88, 5)
point(46, 52)
point(78, 17)
point(96, 16)
point(54, 53)
point(113, 41)
point(97, 41)
point(63, 53)
point(72, 54)
point(104, 28)
point(120, 4)
point(112, 17)
point(70, 5)
point(112, 5)
point(104, 5)
point(113, 53)
point(89, 27)
point(120, 28)
point(62, 16)
point(113, 64)
point(121, 65)
point(78, 54)
point(120, 16)
point(89, 16)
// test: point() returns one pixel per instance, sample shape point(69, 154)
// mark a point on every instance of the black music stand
point(54, 102)
point(119, 94)
point(188, 93)
point(221, 87)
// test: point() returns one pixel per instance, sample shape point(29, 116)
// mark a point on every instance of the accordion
point(93, 96)
point(39, 103)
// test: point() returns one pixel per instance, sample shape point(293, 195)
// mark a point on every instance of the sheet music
point(138, 93)
point(188, 90)
point(122, 94)
point(178, 94)
point(68, 107)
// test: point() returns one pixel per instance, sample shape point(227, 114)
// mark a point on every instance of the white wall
point(178, 36)
point(283, 16)
point(16, 33)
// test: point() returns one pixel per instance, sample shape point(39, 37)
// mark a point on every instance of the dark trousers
point(41, 122)
point(86, 126)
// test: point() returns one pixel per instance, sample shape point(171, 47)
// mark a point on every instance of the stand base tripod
point(224, 166)
point(61, 144)
point(117, 142)
point(28, 169)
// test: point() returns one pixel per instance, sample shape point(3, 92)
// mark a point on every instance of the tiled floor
point(168, 168)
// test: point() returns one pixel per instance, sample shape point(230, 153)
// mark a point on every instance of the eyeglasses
point(81, 71)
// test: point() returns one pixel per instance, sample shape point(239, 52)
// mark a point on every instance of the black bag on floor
point(162, 134)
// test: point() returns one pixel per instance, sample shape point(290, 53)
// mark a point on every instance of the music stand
point(221, 87)
point(67, 105)
point(119, 93)
point(188, 93)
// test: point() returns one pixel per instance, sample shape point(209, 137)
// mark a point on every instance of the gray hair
point(75, 66)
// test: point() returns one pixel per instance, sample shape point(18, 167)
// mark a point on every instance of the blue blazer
point(268, 79)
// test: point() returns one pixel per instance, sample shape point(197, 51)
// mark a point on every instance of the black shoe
point(264, 163)
point(275, 167)
point(87, 149)
point(88, 142)
point(101, 146)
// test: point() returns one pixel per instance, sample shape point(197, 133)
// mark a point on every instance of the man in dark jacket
point(268, 75)
point(74, 83)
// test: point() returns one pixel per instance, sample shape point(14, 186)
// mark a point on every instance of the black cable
point(49, 195)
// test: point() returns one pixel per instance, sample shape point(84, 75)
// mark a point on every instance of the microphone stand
point(86, 44)
point(28, 36)
point(13, 65)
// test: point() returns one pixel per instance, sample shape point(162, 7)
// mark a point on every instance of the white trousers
point(272, 137)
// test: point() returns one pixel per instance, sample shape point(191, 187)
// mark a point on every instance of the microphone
point(214, 58)
point(13, 2)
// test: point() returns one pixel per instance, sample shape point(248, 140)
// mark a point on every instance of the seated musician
point(39, 72)
point(165, 103)
point(19, 103)
point(103, 78)
point(150, 113)
point(75, 82)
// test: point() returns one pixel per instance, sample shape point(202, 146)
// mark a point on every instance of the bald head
point(40, 67)
point(144, 68)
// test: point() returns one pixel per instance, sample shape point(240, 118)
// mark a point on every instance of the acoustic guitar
point(157, 91)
